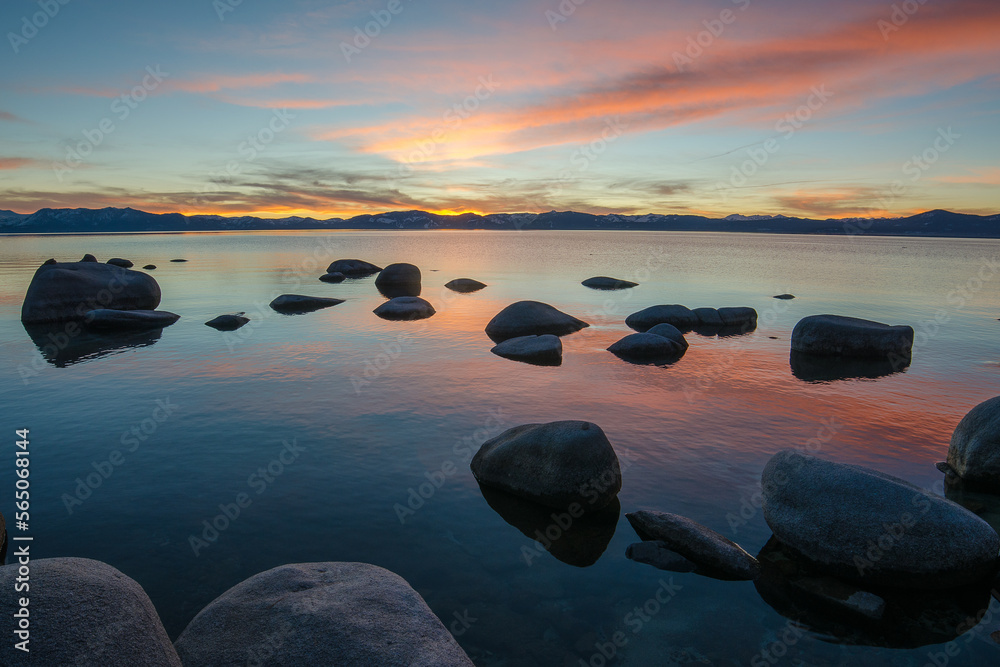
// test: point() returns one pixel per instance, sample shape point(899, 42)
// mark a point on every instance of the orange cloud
point(17, 162)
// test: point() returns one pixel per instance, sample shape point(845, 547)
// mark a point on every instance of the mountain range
point(111, 220)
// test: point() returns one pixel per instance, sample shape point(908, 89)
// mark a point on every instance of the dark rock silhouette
point(606, 283)
point(679, 316)
point(405, 308)
point(149, 267)
point(333, 278)
point(784, 297)
point(353, 268)
point(671, 332)
point(399, 280)
point(531, 318)
point(544, 350)
point(647, 348)
point(834, 335)
point(294, 304)
point(974, 451)
point(228, 322)
point(66, 291)
point(465, 285)
point(118, 261)
point(106, 319)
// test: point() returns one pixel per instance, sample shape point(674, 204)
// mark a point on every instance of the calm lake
point(351, 435)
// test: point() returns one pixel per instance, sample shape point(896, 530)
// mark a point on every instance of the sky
point(331, 109)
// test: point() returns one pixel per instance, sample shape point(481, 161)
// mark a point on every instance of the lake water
point(379, 408)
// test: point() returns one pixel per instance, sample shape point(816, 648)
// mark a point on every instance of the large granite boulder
point(566, 464)
point(974, 452)
point(405, 308)
point(606, 283)
point(699, 544)
point(84, 612)
point(834, 335)
point(681, 317)
point(465, 285)
point(353, 268)
point(105, 319)
point(544, 350)
point(531, 318)
point(647, 348)
point(317, 615)
point(399, 280)
point(62, 291)
point(295, 304)
point(863, 525)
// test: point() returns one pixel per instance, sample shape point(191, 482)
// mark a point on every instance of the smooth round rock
point(68, 290)
point(531, 318)
point(646, 347)
point(399, 274)
point(353, 268)
point(681, 317)
point(708, 317)
point(699, 544)
point(974, 452)
point(559, 464)
point(333, 278)
point(318, 615)
point(671, 332)
point(834, 335)
point(85, 612)
point(606, 283)
point(405, 308)
point(544, 350)
point(297, 303)
point(465, 285)
point(864, 525)
point(740, 316)
point(149, 267)
point(118, 261)
point(106, 319)
point(87, 258)
point(228, 322)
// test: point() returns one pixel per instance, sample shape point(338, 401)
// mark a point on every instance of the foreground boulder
point(679, 316)
point(974, 452)
point(699, 544)
point(399, 280)
point(405, 308)
point(531, 318)
point(671, 332)
point(292, 304)
point(86, 612)
point(544, 350)
point(353, 268)
point(319, 614)
point(833, 335)
point(647, 348)
point(228, 322)
point(124, 263)
point(62, 291)
point(105, 319)
point(333, 278)
point(569, 465)
point(605, 283)
point(465, 285)
point(863, 525)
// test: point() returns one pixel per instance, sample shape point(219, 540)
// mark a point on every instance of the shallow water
point(380, 408)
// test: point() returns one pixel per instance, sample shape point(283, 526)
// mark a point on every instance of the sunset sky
point(632, 106)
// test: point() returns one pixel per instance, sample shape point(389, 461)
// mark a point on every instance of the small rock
point(605, 283)
point(293, 304)
point(178, 260)
point(544, 350)
point(465, 285)
point(118, 261)
point(405, 308)
point(88, 258)
point(149, 267)
point(353, 268)
point(333, 278)
point(228, 322)
point(784, 297)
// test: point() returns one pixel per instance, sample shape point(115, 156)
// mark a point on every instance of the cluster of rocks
point(310, 614)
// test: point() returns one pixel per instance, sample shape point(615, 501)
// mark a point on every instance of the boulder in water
point(106, 319)
point(544, 350)
point(353, 268)
point(465, 285)
point(293, 304)
point(531, 318)
point(606, 283)
point(681, 317)
point(405, 308)
point(62, 291)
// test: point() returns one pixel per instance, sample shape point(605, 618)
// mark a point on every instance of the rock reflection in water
point(69, 343)
point(817, 368)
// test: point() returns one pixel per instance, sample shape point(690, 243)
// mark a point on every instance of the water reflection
point(976, 500)
point(392, 290)
point(814, 368)
point(838, 612)
point(578, 541)
point(65, 343)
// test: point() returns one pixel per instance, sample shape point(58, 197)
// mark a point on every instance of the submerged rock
point(405, 308)
point(605, 283)
point(465, 285)
point(118, 261)
point(647, 348)
point(531, 318)
point(65, 291)
point(833, 335)
point(544, 350)
point(974, 452)
point(679, 316)
point(228, 322)
point(863, 525)
point(323, 614)
point(784, 297)
point(659, 555)
point(399, 280)
point(566, 464)
point(106, 319)
point(353, 268)
point(699, 544)
point(83, 609)
point(178, 260)
point(333, 278)
point(293, 304)
point(149, 267)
